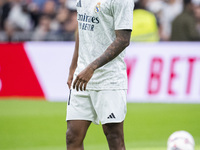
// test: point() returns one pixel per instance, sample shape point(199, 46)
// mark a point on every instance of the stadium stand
point(55, 20)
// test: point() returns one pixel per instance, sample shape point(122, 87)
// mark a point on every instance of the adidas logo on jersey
point(111, 116)
point(78, 4)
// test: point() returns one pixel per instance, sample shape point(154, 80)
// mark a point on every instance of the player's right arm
point(74, 60)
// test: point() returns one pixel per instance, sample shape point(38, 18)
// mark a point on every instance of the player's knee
point(72, 138)
point(69, 137)
point(114, 137)
point(115, 141)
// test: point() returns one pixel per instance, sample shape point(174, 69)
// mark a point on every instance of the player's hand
point(83, 78)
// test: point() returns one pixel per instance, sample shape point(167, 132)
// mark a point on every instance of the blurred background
point(55, 20)
point(37, 20)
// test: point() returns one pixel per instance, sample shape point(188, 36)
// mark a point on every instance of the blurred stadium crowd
point(55, 20)
point(166, 20)
point(37, 20)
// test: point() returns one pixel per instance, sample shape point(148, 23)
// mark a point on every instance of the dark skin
point(74, 61)
point(77, 129)
point(119, 44)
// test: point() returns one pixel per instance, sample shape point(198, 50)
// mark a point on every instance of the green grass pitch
point(40, 125)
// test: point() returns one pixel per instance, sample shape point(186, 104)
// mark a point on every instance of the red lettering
point(190, 73)
point(156, 68)
point(172, 76)
point(130, 63)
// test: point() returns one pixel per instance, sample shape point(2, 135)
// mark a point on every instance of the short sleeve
point(122, 11)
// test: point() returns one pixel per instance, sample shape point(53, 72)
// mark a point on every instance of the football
point(180, 140)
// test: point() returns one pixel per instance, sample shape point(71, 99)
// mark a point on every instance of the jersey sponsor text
point(87, 22)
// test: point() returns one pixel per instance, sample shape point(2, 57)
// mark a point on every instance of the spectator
point(184, 26)
point(40, 3)
point(35, 14)
point(19, 16)
point(44, 27)
point(170, 10)
point(5, 7)
point(62, 16)
point(71, 23)
point(1, 12)
point(145, 27)
point(9, 34)
point(156, 7)
point(62, 3)
point(49, 9)
point(70, 26)
point(197, 14)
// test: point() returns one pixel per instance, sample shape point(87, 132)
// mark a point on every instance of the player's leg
point(115, 135)
point(76, 131)
point(80, 114)
point(110, 106)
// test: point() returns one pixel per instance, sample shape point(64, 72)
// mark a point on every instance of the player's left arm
point(119, 44)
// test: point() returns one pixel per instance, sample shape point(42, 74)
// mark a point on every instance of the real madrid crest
point(97, 7)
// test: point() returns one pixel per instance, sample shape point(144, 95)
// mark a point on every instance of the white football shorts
point(105, 106)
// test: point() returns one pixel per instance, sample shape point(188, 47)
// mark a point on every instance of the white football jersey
point(97, 22)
